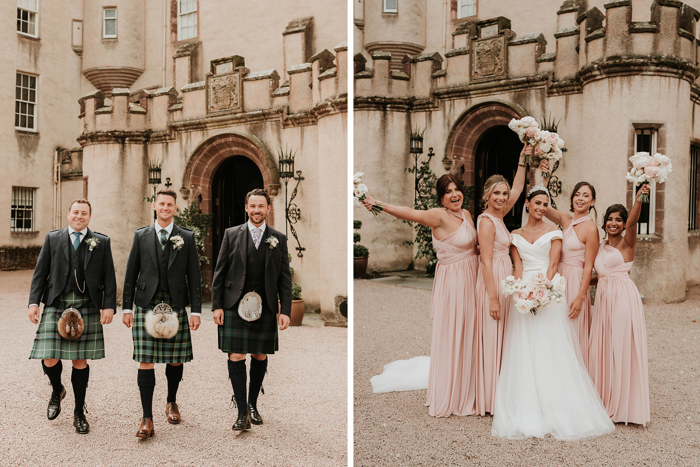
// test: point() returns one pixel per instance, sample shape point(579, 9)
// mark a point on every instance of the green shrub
point(296, 291)
point(192, 218)
point(356, 237)
point(357, 225)
point(360, 250)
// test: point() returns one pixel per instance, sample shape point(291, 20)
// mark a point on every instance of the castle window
point(27, 12)
point(186, 19)
point(391, 6)
point(645, 140)
point(22, 209)
point(109, 23)
point(25, 102)
point(467, 8)
point(694, 206)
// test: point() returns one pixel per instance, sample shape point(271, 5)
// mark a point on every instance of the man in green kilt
point(252, 270)
point(74, 275)
point(162, 278)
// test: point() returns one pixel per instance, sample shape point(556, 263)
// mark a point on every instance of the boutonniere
point(177, 242)
point(92, 243)
point(272, 241)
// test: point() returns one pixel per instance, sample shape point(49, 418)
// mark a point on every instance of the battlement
point(230, 91)
point(590, 45)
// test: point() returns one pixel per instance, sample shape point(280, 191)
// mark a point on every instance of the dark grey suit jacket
point(184, 276)
point(53, 267)
point(229, 276)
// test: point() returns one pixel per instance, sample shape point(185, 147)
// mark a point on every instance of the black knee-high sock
point(146, 380)
point(54, 374)
point(238, 377)
point(257, 374)
point(174, 375)
point(79, 378)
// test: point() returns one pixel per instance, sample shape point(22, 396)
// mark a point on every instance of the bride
point(543, 387)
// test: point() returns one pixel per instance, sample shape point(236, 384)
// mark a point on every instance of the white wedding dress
point(543, 387)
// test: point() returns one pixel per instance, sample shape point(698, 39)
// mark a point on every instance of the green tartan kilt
point(147, 349)
point(49, 344)
point(237, 335)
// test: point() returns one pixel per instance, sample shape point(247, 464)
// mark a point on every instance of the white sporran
point(162, 322)
point(250, 306)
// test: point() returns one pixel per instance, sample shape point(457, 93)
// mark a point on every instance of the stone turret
point(398, 33)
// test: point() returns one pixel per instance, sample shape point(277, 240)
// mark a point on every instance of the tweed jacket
point(52, 270)
point(184, 276)
point(229, 275)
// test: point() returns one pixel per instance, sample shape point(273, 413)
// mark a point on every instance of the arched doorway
point(497, 152)
point(233, 179)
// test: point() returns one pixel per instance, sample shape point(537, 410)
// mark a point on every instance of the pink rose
point(540, 294)
point(651, 171)
point(552, 138)
point(519, 296)
point(531, 132)
point(538, 150)
point(539, 279)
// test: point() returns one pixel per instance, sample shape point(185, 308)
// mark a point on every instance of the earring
point(527, 210)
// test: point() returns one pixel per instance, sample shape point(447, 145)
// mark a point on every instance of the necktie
point(163, 238)
point(76, 242)
point(256, 236)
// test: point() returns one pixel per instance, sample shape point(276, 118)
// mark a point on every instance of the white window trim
point(387, 10)
point(462, 5)
point(33, 191)
point(652, 185)
point(36, 21)
point(180, 14)
point(36, 104)
point(116, 22)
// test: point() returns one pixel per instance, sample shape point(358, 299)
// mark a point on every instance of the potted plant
point(297, 302)
point(360, 252)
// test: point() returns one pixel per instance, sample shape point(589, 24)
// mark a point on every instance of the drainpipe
point(56, 190)
point(444, 27)
point(165, 37)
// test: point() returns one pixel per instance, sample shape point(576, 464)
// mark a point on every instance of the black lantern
point(416, 143)
point(154, 173)
point(286, 162)
point(291, 211)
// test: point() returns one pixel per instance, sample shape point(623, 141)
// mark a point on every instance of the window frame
point(181, 15)
point(34, 115)
point(647, 228)
point(390, 11)
point(462, 3)
point(36, 19)
point(17, 193)
point(694, 198)
point(105, 19)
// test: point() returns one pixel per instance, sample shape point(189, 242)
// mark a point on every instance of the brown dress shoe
point(146, 429)
point(173, 413)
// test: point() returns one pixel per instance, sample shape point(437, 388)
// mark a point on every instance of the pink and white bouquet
point(545, 144)
point(647, 168)
point(527, 129)
point(359, 194)
point(535, 292)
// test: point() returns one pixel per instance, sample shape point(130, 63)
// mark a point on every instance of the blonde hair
point(490, 186)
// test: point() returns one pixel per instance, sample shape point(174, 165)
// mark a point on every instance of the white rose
point(529, 121)
point(640, 160)
point(523, 306)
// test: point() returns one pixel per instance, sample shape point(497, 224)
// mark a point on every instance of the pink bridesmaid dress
point(618, 345)
point(489, 331)
point(451, 383)
point(571, 264)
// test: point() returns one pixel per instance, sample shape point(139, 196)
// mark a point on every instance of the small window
point(22, 209)
point(27, 13)
point(186, 19)
point(694, 205)
point(109, 23)
point(25, 102)
point(645, 141)
point(391, 6)
point(467, 8)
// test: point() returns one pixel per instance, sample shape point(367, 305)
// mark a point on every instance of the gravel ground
point(393, 323)
point(304, 405)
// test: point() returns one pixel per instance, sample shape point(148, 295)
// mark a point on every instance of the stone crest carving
point(224, 93)
point(489, 59)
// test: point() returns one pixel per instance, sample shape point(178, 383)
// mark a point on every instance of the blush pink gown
point(573, 257)
point(489, 331)
point(618, 345)
point(451, 381)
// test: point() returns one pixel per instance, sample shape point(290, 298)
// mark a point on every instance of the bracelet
point(521, 165)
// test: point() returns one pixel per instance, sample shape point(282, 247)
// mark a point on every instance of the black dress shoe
point(54, 408)
point(80, 423)
point(242, 422)
point(255, 417)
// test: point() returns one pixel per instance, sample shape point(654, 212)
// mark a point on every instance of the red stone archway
point(202, 166)
point(466, 133)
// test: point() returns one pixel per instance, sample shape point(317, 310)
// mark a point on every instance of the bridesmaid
point(491, 305)
point(618, 345)
point(580, 247)
point(451, 383)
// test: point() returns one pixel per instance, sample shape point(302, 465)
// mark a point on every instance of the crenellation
point(341, 60)
point(618, 16)
point(666, 14)
point(426, 65)
point(458, 66)
point(381, 64)
point(120, 108)
point(567, 41)
point(300, 88)
point(463, 34)
point(320, 63)
point(163, 99)
point(258, 88)
point(523, 52)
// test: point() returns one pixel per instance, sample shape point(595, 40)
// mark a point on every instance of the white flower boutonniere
point(272, 241)
point(178, 242)
point(92, 243)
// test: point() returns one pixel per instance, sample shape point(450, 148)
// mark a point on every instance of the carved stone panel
point(489, 59)
point(224, 93)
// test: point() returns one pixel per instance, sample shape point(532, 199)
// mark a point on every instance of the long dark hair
point(573, 192)
point(442, 184)
point(613, 209)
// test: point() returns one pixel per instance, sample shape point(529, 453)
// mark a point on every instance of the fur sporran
point(71, 324)
point(162, 322)
point(250, 306)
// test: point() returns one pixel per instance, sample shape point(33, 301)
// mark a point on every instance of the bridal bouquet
point(527, 129)
point(647, 168)
point(535, 292)
point(546, 144)
point(359, 194)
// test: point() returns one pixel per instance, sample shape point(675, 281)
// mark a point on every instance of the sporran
point(71, 324)
point(250, 306)
point(162, 322)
